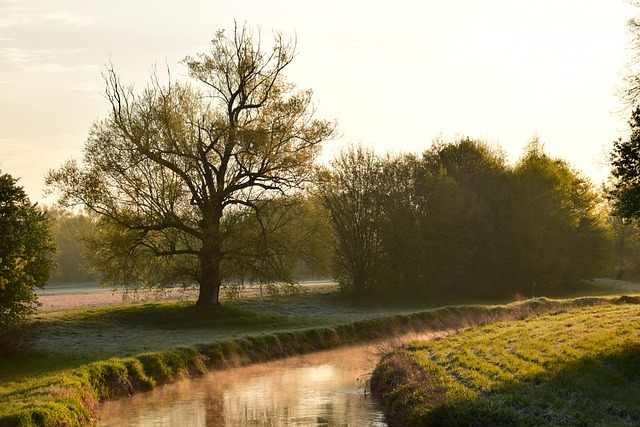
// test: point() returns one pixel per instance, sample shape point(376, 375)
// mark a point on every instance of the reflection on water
point(325, 389)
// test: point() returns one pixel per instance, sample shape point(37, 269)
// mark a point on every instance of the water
point(319, 389)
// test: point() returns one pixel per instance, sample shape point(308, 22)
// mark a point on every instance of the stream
point(325, 388)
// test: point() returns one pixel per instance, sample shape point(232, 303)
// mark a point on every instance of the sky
point(395, 75)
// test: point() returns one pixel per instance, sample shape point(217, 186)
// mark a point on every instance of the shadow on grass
point(600, 391)
point(187, 315)
point(169, 316)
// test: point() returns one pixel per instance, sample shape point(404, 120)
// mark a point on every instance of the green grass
point(70, 338)
point(82, 356)
point(570, 367)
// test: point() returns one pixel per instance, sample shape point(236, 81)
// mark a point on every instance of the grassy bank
point(85, 356)
point(567, 367)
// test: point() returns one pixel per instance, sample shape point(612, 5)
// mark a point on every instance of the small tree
point(625, 160)
point(171, 167)
point(26, 253)
point(350, 194)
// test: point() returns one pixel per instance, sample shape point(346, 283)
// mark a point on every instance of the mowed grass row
point(570, 367)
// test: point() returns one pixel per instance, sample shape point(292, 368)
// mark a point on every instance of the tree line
point(454, 219)
point(458, 219)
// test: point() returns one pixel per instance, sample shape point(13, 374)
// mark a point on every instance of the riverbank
point(147, 344)
point(568, 367)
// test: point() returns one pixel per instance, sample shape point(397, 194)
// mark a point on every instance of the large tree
point(26, 253)
point(170, 167)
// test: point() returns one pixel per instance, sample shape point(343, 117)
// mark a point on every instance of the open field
point(71, 346)
point(568, 367)
point(83, 327)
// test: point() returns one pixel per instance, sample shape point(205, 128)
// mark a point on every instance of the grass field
point(80, 349)
point(571, 367)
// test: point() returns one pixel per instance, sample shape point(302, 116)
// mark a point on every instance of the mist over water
point(324, 388)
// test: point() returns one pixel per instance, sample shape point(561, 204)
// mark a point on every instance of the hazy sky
point(395, 74)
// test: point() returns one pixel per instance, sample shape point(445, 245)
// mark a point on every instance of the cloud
point(68, 18)
point(51, 67)
point(87, 88)
point(43, 60)
point(16, 19)
point(8, 3)
point(13, 55)
point(14, 15)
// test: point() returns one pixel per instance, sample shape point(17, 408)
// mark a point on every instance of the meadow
point(578, 367)
point(82, 356)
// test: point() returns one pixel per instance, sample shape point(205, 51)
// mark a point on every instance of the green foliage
point(460, 195)
point(173, 165)
point(110, 252)
point(26, 253)
point(459, 220)
point(349, 192)
point(286, 240)
point(574, 367)
point(625, 161)
point(559, 225)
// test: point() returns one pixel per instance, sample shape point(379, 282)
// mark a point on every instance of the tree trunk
point(210, 259)
point(209, 293)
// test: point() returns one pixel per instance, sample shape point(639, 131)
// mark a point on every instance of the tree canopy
point(26, 253)
point(173, 169)
point(459, 220)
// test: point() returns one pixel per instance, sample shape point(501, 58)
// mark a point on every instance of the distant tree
point(70, 232)
point(289, 240)
point(169, 167)
point(626, 249)
point(26, 253)
point(350, 192)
